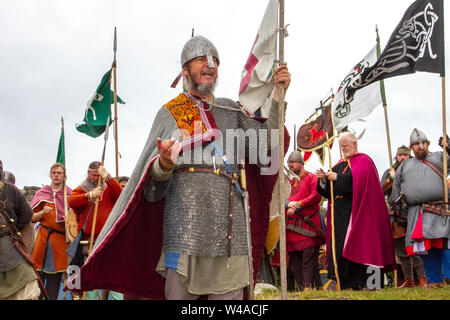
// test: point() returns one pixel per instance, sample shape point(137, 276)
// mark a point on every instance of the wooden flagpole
point(94, 222)
point(388, 135)
point(444, 142)
point(391, 165)
point(281, 93)
point(383, 96)
point(386, 122)
point(333, 233)
point(295, 137)
point(116, 133)
point(66, 206)
point(444, 126)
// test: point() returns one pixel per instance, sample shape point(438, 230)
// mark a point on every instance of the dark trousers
point(290, 279)
point(52, 283)
point(305, 267)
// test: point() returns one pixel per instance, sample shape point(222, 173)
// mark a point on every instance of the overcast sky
point(53, 54)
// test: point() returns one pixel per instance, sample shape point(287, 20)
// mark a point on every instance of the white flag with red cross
point(257, 77)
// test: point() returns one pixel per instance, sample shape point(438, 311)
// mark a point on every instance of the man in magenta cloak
point(361, 222)
point(178, 229)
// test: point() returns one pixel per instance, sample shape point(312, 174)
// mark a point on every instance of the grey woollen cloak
point(127, 250)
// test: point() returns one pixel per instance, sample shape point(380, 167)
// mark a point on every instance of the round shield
point(273, 234)
point(71, 226)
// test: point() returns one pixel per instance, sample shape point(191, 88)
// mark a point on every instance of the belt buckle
point(191, 169)
point(217, 171)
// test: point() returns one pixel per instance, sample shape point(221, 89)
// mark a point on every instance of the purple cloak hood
point(45, 194)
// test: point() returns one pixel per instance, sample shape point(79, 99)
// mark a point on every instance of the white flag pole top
point(257, 76)
point(364, 101)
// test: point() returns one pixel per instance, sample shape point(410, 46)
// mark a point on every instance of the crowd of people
point(186, 207)
point(34, 264)
point(399, 222)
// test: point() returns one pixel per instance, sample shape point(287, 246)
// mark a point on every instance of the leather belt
point(437, 208)
point(51, 230)
point(233, 178)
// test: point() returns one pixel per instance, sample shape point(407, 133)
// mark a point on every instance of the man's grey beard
point(89, 185)
point(204, 89)
point(348, 155)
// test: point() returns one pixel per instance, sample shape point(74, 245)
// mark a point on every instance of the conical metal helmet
point(199, 46)
point(419, 137)
point(295, 156)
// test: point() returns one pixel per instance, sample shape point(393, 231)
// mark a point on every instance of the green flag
point(61, 155)
point(98, 108)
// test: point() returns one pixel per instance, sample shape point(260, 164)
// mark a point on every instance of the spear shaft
point(94, 222)
point(116, 133)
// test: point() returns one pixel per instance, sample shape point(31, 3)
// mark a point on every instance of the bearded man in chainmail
point(182, 208)
point(408, 263)
point(419, 180)
point(196, 265)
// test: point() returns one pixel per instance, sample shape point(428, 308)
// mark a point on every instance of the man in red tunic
point(82, 201)
point(303, 244)
point(83, 198)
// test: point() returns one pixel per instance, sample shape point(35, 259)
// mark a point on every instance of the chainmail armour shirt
point(195, 224)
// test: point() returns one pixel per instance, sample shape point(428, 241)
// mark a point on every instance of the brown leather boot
point(437, 285)
point(422, 282)
point(407, 284)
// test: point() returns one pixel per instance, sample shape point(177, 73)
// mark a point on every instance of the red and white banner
point(257, 77)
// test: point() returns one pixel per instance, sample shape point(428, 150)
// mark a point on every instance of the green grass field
point(382, 294)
